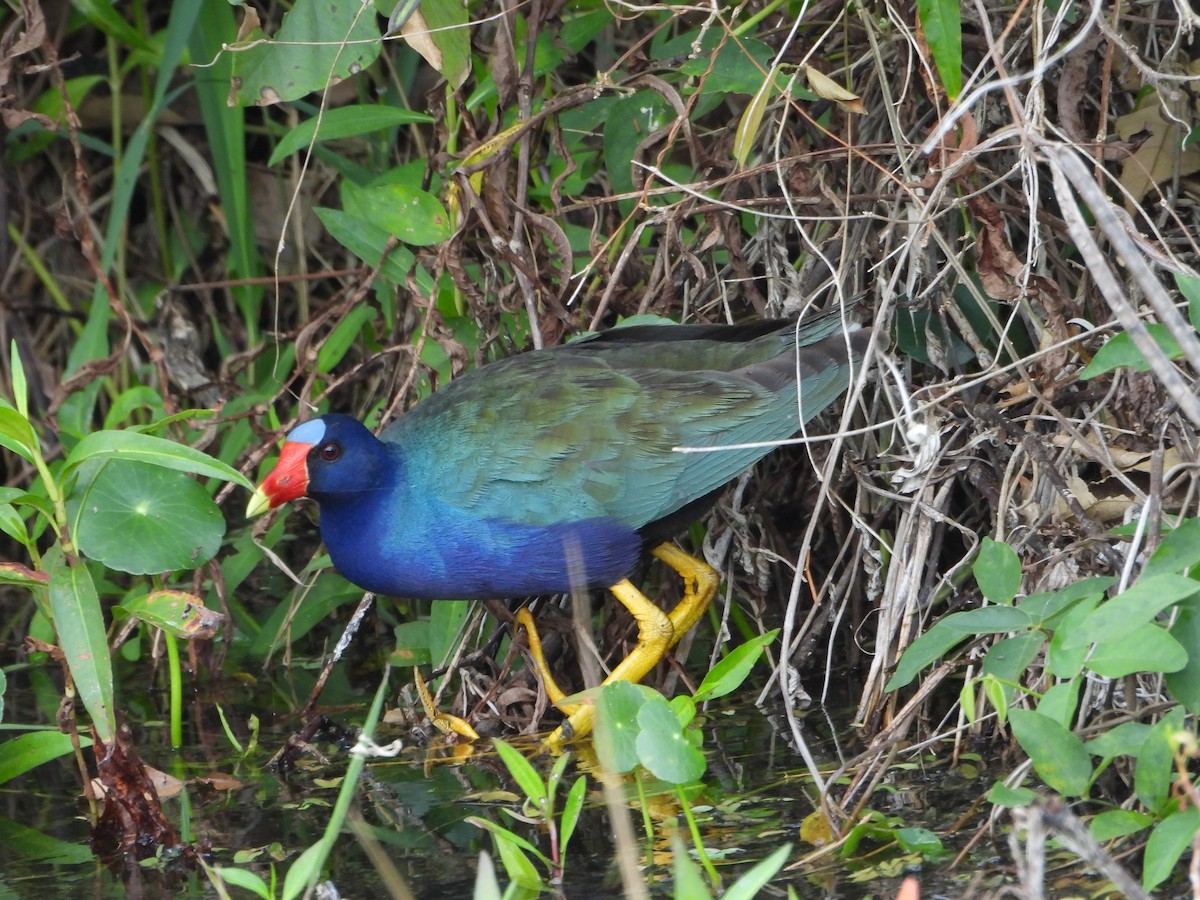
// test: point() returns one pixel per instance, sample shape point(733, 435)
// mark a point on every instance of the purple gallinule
point(554, 470)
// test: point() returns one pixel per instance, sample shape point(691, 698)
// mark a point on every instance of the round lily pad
point(143, 519)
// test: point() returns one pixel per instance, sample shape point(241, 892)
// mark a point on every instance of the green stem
point(176, 684)
point(757, 17)
point(713, 877)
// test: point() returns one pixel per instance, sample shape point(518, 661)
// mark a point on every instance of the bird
point(561, 468)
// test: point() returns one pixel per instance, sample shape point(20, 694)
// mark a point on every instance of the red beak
point(287, 481)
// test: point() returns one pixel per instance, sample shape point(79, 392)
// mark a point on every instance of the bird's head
point(322, 458)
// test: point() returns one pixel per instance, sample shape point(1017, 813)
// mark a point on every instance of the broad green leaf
point(143, 519)
point(728, 674)
point(1122, 351)
point(446, 618)
point(31, 844)
point(368, 242)
point(345, 122)
point(24, 752)
point(1125, 739)
point(616, 729)
point(79, 621)
point(941, 20)
point(1117, 823)
point(1169, 840)
point(997, 570)
point(661, 746)
point(1011, 797)
point(17, 434)
point(1178, 551)
point(304, 869)
point(1064, 661)
point(321, 42)
point(1058, 756)
point(1148, 648)
point(412, 215)
point(951, 631)
point(1060, 702)
point(244, 879)
point(146, 448)
point(523, 774)
point(1132, 608)
point(439, 30)
point(176, 612)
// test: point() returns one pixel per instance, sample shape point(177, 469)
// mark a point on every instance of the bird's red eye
point(330, 452)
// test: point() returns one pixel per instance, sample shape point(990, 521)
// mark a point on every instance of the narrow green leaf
point(154, 450)
point(1189, 286)
point(244, 879)
point(942, 22)
point(345, 122)
point(572, 806)
point(1058, 756)
point(997, 570)
point(728, 674)
point(748, 886)
point(19, 386)
point(1121, 351)
point(689, 883)
point(79, 621)
point(24, 752)
point(751, 121)
point(305, 869)
point(523, 773)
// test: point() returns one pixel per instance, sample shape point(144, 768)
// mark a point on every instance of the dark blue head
point(331, 458)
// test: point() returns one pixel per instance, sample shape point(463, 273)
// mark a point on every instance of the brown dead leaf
point(1161, 155)
point(997, 265)
point(825, 87)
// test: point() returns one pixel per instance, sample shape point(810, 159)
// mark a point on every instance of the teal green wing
point(586, 431)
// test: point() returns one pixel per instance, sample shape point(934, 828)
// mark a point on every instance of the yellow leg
point(443, 722)
point(658, 632)
point(553, 691)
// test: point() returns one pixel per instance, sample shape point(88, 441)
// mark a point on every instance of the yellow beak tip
point(259, 504)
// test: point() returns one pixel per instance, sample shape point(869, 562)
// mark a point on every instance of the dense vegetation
point(221, 219)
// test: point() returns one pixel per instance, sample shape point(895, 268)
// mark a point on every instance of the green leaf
point(1132, 608)
point(1177, 552)
point(750, 122)
point(410, 214)
point(19, 385)
point(689, 883)
point(178, 613)
point(1184, 684)
point(320, 42)
point(512, 849)
point(132, 445)
point(661, 746)
point(941, 21)
point(1125, 739)
point(345, 122)
point(1148, 648)
point(17, 434)
point(368, 242)
point(997, 570)
point(446, 618)
point(1060, 702)
point(572, 807)
point(749, 885)
point(79, 621)
point(1189, 286)
point(143, 519)
point(1118, 823)
point(523, 774)
point(1121, 351)
point(1058, 756)
point(306, 868)
point(1002, 794)
point(951, 631)
point(728, 674)
point(617, 706)
point(1169, 840)
point(24, 752)
point(244, 879)
point(1154, 769)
